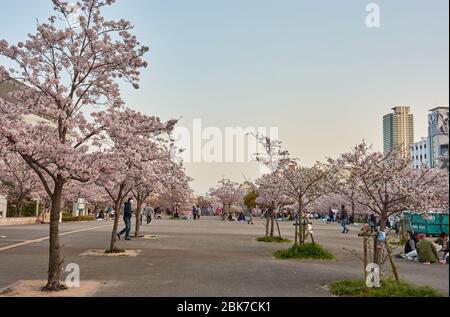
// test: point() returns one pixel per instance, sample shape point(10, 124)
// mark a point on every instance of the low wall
point(17, 221)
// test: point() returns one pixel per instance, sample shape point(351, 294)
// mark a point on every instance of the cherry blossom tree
point(93, 195)
point(133, 143)
point(304, 185)
point(17, 181)
point(387, 184)
point(176, 187)
point(228, 193)
point(270, 196)
point(342, 183)
point(146, 181)
point(69, 67)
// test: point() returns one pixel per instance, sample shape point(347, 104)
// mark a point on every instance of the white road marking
point(46, 238)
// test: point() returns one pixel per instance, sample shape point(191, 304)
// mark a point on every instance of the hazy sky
point(311, 68)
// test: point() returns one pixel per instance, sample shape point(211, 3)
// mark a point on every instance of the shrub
point(273, 239)
point(389, 288)
point(115, 251)
point(305, 251)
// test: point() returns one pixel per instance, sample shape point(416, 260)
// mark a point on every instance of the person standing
point(344, 220)
point(127, 213)
point(199, 212)
point(372, 223)
point(330, 216)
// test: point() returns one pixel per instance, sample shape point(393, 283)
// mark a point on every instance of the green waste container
point(430, 224)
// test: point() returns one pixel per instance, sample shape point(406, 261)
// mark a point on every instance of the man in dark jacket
point(127, 213)
point(344, 220)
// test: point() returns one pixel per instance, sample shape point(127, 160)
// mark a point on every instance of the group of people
point(423, 250)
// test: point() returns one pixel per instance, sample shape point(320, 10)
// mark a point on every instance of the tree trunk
point(117, 206)
point(377, 251)
point(296, 232)
point(267, 224)
point(300, 218)
point(278, 227)
point(138, 218)
point(394, 267)
point(19, 206)
point(271, 224)
point(353, 211)
point(366, 262)
point(55, 260)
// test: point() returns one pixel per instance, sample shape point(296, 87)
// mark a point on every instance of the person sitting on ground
point(410, 245)
point(426, 251)
point(443, 242)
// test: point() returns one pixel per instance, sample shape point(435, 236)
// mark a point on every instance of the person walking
point(344, 220)
point(148, 214)
point(127, 213)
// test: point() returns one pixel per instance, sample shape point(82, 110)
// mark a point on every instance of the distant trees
point(228, 193)
point(18, 182)
point(250, 199)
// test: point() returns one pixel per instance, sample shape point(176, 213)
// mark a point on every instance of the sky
point(312, 69)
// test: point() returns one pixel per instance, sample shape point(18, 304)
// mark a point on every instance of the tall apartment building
point(438, 134)
point(398, 130)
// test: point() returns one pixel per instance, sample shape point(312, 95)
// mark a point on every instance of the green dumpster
point(430, 224)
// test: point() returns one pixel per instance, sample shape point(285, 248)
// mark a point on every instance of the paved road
point(203, 258)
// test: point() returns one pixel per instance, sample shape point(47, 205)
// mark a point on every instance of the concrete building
point(420, 154)
point(3, 206)
point(398, 130)
point(438, 134)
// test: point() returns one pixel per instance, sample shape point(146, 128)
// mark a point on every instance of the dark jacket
point(410, 246)
point(127, 212)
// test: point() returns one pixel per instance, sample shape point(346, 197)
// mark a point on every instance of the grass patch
point(273, 239)
point(115, 251)
point(389, 288)
point(306, 251)
point(77, 219)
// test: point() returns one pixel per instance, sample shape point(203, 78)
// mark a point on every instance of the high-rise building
point(398, 130)
point(438, 134)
